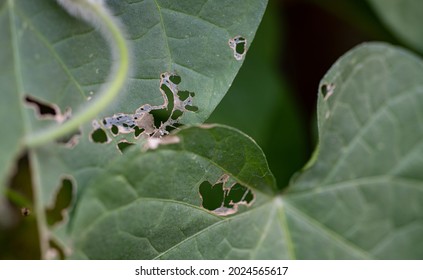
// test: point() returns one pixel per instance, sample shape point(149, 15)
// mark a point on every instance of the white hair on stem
point(87, 10)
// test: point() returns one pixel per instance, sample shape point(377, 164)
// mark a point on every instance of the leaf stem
point(112, 31)
point(44, 235)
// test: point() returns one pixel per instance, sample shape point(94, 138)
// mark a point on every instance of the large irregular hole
point(155, 120)
point(212, 195)
point(161, 116)
point(63, 201)
point(238, 194)
point(222, 199)
point(42, 108)
point(239, 46)
point(47, 111)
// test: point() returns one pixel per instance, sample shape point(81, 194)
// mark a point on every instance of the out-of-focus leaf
point(404, 18)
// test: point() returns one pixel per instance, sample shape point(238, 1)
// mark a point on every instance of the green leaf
point(365, 188)
point(62, 62)
point(404, 18)
point(360, 198)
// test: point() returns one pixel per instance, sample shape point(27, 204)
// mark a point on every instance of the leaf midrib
point(165, 37)
point(386, 178)
point(88, 229)
point(334, 236)
point(384, 107)
point(16, 62)
point(223, 220)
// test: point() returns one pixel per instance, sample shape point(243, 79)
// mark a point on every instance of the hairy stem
point(98, 15)
point(39, 210)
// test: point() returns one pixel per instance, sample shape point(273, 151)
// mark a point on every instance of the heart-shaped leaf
point(360, 197)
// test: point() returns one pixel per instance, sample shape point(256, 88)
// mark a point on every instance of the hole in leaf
point(155, 120)
point(70, 140)
point(324, 90)
point(45, 110)
point(176, 114)
point(114, 130)
point(183, 95)
point(224, 200)
point(175, 79)
point(138, 131)
point(239, 46)
point(123, 145)
point(63, 201)
point(191, 108)
point(99, 136)
point(237, 194)
point(42, 108)
point(162, 115)
point(212, 195)
point(124, 123)
point(327, 90)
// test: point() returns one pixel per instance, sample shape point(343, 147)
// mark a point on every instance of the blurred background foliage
point(272, 99)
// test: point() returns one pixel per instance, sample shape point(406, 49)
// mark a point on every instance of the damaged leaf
point(164, 184)
point(239, 45)
point(158, 120)
point(342, 206)
point(223, 198)
point(63, 61)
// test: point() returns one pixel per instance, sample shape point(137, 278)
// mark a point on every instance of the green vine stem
point(97, 14)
